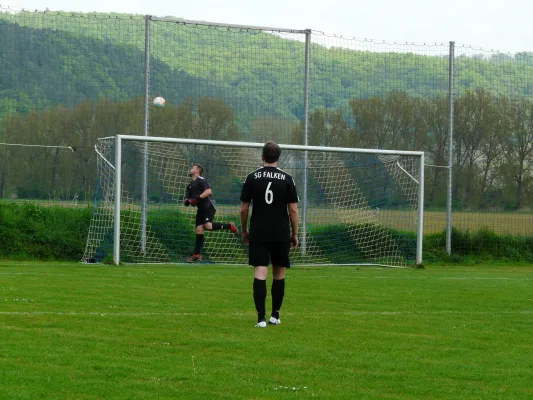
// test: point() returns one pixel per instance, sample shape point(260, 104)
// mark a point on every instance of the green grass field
point(75, 331)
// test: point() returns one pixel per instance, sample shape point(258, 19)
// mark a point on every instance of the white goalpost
point(363, 206)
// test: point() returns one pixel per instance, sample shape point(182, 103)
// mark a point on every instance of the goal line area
point(357, 206)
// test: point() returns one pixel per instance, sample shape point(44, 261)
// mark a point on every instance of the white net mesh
point(360, 208)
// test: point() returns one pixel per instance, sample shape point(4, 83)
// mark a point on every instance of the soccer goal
point(357, 206)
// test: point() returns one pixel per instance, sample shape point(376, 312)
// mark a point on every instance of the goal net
point(357, 206)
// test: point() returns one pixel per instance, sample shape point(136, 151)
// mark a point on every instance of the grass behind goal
point(186, 332)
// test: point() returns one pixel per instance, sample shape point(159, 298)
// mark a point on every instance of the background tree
point(518, 147)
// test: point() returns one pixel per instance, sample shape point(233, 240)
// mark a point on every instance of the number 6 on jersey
point(269, 195)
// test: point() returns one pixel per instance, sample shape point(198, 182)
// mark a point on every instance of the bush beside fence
point(33, 232)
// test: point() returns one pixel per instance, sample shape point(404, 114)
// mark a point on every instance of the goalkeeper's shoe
point(274, 321)
point(194, 258)
point(261, 324)
point(233, 228)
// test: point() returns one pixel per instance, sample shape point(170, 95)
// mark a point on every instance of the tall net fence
point(493, 152)
point(67, 79)
point(384, 95)
point(227, 83)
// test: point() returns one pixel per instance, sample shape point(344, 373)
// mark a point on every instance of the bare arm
point(245, 207)
point(293, 215)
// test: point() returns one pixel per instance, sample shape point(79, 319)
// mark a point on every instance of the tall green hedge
point(29, 231)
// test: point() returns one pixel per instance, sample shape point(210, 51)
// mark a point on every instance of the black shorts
point(264, 253)
point(205, 215)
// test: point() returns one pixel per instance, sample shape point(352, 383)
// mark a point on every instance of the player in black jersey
point(274, 199)
point(199, 194)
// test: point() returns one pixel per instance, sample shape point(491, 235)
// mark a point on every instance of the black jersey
point(269, 189)
point(196, 188)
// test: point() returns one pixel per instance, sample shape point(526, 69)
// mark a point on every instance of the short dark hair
point(271, 152)
point(200, 168)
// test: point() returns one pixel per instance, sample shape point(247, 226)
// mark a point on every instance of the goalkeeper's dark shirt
point(269, 189)
point(196, 188)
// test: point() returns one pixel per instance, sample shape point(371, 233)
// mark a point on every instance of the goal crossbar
point(260, 145)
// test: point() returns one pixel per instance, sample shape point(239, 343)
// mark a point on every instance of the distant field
point(515, 223)
point(75, 331)
point(50, 203)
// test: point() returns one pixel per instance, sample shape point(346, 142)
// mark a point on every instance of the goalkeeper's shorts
point(262, 254)
point(205, 215)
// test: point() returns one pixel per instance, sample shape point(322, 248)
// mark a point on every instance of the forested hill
point(40, 68)
point(83, 56)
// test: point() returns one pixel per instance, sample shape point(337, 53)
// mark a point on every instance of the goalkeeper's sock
point(199, 244)
point(217, 226)
point(260, 292)
point(278, 292)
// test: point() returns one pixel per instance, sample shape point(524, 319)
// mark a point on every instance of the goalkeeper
point(199, 194)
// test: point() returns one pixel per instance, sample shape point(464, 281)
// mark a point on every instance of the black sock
point(217, 226)
point(260, 292)
point(199, 244)
point(278, 292)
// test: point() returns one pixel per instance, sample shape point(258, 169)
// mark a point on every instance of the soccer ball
point(159, 102)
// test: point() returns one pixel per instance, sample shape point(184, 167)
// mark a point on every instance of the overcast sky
point(489, 24)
